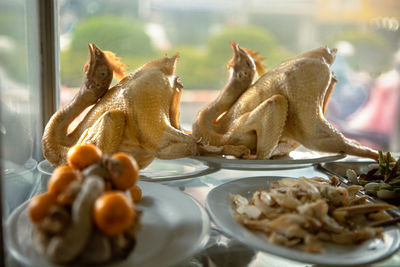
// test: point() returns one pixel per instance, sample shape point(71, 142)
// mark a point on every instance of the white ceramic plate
point(45, 167)
point(175, 227)
point(176, 169)
point(161, 170)
point(296, 159)
point(220, 209)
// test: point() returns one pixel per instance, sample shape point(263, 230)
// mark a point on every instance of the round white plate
point(176, 169)
point(45, 167)
point(296, 159)
point(161, 170)
point(174, 227)
point(220, 209)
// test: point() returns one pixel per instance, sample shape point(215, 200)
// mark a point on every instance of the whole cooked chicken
point(282, 109)
point(139, 115)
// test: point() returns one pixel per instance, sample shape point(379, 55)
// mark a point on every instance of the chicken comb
point(116, 65)
point(260, 66)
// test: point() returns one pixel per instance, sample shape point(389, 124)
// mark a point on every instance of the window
point(20, 98)
point(364, 105)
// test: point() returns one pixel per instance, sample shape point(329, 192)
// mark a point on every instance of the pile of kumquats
point(88, 213)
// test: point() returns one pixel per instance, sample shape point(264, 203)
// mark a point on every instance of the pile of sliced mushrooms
point(306, 211)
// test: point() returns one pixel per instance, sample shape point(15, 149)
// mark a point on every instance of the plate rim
point(296, 255)
point(28, 166)
point(201, 240)
point(268, 164)
point(40, 169)
point(210, 168)
point(205, 224)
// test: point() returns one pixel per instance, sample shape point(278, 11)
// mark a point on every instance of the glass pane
point(364, 105)
point(19, 76)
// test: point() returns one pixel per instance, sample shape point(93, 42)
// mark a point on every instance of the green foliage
point(192, 67)
point(15, 63)
point(12, 31)
point(198, 67)
point(120, 35)
point(12, 24)
point(123, 36)
point(72, 63)
point(205, 68)
point(72, 67)
point(256, 38)
point(371, 51)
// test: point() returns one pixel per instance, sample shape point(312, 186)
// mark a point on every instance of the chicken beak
point(96, 50)
point(236, 55)
point(235, 48)
point(86, 67)
point(91, 52)
point(94, 53)
point(96, 57)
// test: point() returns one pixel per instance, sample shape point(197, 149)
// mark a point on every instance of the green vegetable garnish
point(386, 172)
point(385, 186)
point(397, 190)
point(371, 193)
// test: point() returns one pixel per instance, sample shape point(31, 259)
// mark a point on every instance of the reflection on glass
point(19, 100)
point(366, 33)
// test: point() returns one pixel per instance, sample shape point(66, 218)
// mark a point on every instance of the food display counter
point(187, 219)
point(210, 163)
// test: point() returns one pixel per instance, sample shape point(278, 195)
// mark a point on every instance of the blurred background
point(364, 105)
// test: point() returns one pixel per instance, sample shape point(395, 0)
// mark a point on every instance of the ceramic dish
point(296, 159)
point(175, 227)
point(161, 170)
point(219, 207)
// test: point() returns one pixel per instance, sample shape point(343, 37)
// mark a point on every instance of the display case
point(43, 51)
